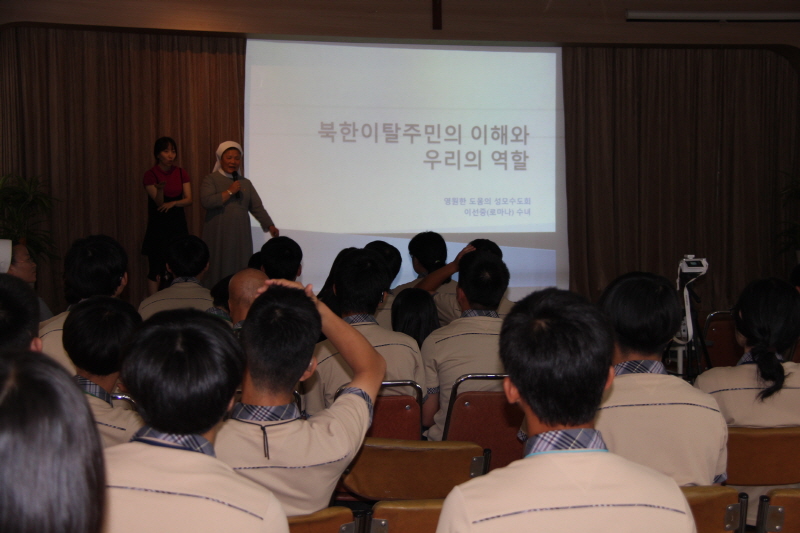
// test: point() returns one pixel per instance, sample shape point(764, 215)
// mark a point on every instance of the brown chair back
point(396, 417)
point(717, 509)
point(327, 520)
point(417, 516)
point(783, 511)
point(487, 419)
point(390, 469)
point(763, 456)
point(720, 335)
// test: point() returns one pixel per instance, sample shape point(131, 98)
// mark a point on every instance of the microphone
point(235, 175)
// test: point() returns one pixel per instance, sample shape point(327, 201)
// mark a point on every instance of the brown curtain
point(82, 109)
point(678, 151)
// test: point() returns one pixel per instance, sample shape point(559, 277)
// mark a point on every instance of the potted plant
point(23, 208)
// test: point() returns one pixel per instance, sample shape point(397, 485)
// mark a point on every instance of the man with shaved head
point(242, 293)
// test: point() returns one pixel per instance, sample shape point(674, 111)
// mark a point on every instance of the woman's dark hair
point(326, 294)
point(430, 250)
point(767, 315)
point(162, 143)
point(414, 313)
point(51, 457)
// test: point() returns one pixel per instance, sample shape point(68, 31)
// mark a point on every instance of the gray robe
point(227, 225)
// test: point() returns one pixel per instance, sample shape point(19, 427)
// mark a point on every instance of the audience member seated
point(281, 258)
point(360, 282)
point(182, 368)
point(95, 333)
point(17, 261)
point(469, 344)
point(94, 266)
point(557, 350)
point(51, 460)
point(446, 301)
point(394, 261)
point(266, 439)
point(762, 390)
point(242, 292)
point(414, 314)
point(255, 261)
point(187, 261)
point(220, 294)
point(327, 294)
point(19, 315)
point(428, 252)
point(648, 416)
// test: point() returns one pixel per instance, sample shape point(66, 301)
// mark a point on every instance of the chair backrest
point(392, 469)
point(717, 509)
point(396, 417)
point(720, 335)
point(779, 510)
point(419, 516)
point(328, 520)
point(485, 418)
point(763, 456)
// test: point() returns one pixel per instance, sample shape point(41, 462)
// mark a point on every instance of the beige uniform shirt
point(449, 310)
point(403, 362)
point(384, 313)
point(466, 346)
point(662, 422)
point(306, 457)
point(51, 332)
point(181, 295)
point(116, 424)
point(156, 488)
point(735, 388)
point(582, 491)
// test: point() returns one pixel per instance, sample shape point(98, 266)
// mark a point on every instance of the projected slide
point(390, 139)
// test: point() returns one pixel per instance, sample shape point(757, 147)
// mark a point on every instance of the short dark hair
point(96, 331)
point(255, 261)
point(162, 143)
point(220, 292)
point(767, 315)
point(279, 335)
point(430, 250)
point(557, 349)
point(414, 313)
point(360, 281)
point(281, 258)
point(19, 313)
point(643, 308)
point(484, 279)
point(390, 254)
point(794, 276)
point(93, 266)
point(187, 256)
point(182, 369)
point(485, 245)
point(52, 458)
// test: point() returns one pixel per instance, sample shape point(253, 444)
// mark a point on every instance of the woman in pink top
point(168, 190)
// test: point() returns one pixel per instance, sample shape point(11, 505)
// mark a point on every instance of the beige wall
point(548, 21)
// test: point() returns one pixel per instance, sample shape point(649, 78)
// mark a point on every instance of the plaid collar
point(263, 413)
point(480, 312)
point(640, 366)
point(185, 279)
point(565, 440)
point(360, 318)
point(191, 442)
point(93, 389)
point(747, 359)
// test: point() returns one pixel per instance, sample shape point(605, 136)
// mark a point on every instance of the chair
point(393, 469)
point(720, 336)
point(779, 511)
point(417, 516)
point(763, 456)
point(485, 418)
point(717, 509)
point(396, 417)
point(328, 520)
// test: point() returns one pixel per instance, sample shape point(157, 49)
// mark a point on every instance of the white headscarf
point(5, 255)
point(227, 145)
